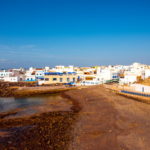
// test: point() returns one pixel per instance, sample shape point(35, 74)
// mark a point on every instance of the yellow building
point(54, 78)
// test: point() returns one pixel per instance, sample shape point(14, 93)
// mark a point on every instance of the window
point(74, 79)
point(68, 80)
point(54, 79)
point(46, 79)
point(114, 77)
point(61, 79)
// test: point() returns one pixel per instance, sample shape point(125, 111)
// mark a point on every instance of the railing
point(59, 73)
point(127, 90)
point(135, 93)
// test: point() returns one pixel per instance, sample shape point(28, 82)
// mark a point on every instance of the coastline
point(30, 89)
point(99, 119)
point(33, 91)
point(46, 130)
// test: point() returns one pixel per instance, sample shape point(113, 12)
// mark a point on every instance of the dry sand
point(110, 122)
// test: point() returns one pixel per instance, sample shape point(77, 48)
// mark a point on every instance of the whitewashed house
point(98, 76)
point(140, 88)
point(4, 74)
point(11, 79)
point(129, 77)
point(147, 73)
point(39, 73)
point(63, 69)
point(30, 75)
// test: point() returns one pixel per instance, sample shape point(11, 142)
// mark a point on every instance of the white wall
point(128, 79)
point(63, 69)
point(147, 73)
point(141, 88)
point(30, 77)
point(39, 73)
point(11, 79)
point(5, 73)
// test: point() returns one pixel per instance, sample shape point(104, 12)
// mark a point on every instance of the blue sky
point(79, 32)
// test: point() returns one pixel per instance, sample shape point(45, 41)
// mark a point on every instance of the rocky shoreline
point(49, 130)
point(7, 89)
point(23, 89)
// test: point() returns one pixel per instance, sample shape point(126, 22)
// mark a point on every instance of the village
point(70, 75)
point(132, 80)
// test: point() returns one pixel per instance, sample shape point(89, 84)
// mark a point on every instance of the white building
point(141, 88)
point(107, 74)
point(63, 69)
point(4, 74)
point(89, 80)
point(30, 75)
point(129, 78)
point(39, 73)
point(147, 73)
point(11, 79)
point(97, 75)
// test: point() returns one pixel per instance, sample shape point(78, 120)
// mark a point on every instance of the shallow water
point(30, 105)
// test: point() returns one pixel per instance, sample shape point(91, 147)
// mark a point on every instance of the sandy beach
point(110, 122)
point(99, 120)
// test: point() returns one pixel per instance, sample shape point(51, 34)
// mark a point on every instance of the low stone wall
point(23, 89)
point(117, 89)
point(8, 88)
point(135, 97)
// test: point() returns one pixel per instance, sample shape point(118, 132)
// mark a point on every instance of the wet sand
point(25, 89)
point(99, 120)
point(47, 129)
point(33, 91)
